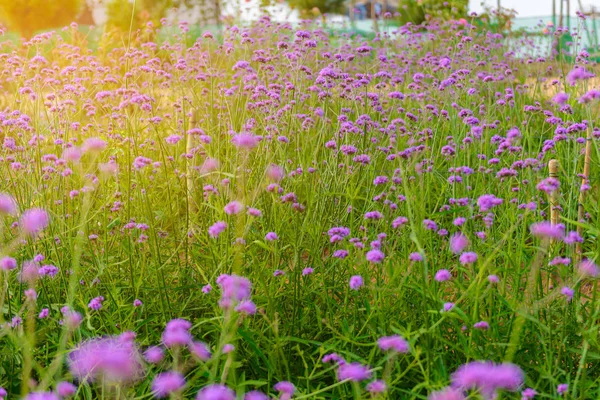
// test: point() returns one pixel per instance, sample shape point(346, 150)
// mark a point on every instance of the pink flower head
point(271, 236)
point(245, 141)
point(216, 229)
point(34, 220)
point(395, 343)
point(66, 389)
point(560, 99)
point(487, 202)
point(481, 325)
point(377, 386)
point(546, 230)
point(458, 243)
point(488, 377)
point(8, 263)
point(415, 256)
point(8, 205)
point(215, 392)
point(588, 268)
point(468, 258)
point(562, 388)
point(177, 333)
point(375, 256)
point(201, 350)
point(166, 383)
point(72, 154)
point(154, 354)
point(234, 288)
point(233, 207)
point(356, 282)
point(93, 145)
point(275, 173)
point(443, 275)
point(448, 393)
point(285, 388)
point(354, 372)
point(112, 360)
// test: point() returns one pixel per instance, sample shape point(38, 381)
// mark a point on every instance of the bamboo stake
point(586, 173)
point(554, 210)
point(189, 163)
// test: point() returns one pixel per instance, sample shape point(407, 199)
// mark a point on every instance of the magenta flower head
point(166, 383)
point(567, 292)
point(8, 205)
point(376, 387)
point(271, 236)
point(487, 202)
point(483, 325)
point(201, 350)
point(588, 268)
point(447, 306)
point(177, 333)
point(154, 355)
point(8, 263)
point(448, 393)
point(216, 229)
point(33, 221)
point(546, 230)
point(246, 307)
point(233, 207)
point(41, 396)
point(528, 394)
point(286, 389)
point(548, 185)
point(488, 378)
point(245, 141)
point(137, 303)
point(275, 173)
point(234, 289)
point(356, 282)
point(416, 257)
point(72, 319)
point(29, 272)
point(3, 393)
point(354, 372)
point(458, 243)
point(560, 99)
point(562, 388)
point(112, 359)
point(216, 392)
point(66, 389)
point(443, 275)
point(72, 154)
point(93, 145)
point(395, 343)
point(375, 256)
point(255, 395)
point(468, 258)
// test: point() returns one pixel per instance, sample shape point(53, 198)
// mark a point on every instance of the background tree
point(415, 11)
point(29, 16)
point(314, 8)
point(119, 12)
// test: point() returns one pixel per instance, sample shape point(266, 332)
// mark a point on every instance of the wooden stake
point(554, 196)
point(189, 162)
point(586, 173)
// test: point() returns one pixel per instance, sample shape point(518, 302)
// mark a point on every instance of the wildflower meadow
point(278, 212)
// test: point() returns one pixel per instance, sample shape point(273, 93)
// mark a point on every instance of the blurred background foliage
point(27, 17)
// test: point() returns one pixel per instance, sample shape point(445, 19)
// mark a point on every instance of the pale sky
point(532, 8)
